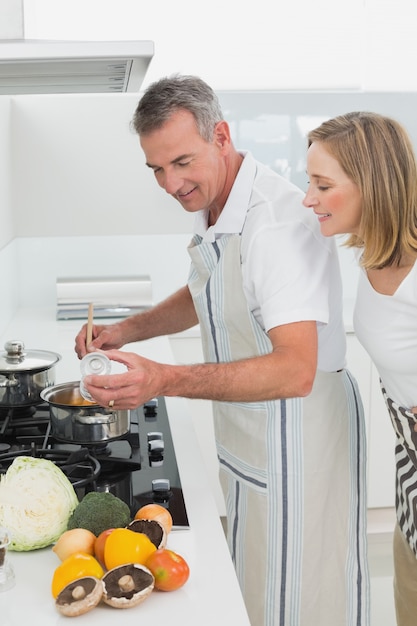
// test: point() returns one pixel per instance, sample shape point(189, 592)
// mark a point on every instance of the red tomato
point(99, 544)
point(170, 570)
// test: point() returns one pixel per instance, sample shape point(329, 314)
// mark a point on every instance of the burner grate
point(131, 466)
point(79, 466)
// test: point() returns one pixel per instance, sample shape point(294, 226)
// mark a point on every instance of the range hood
point(31, 66)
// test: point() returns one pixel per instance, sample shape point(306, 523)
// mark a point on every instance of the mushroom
point(80, 596)
point(153, 529)
point(127, 585)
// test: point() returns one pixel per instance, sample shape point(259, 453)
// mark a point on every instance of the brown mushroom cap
point(127, 585)
point(152, 529)
point(80, 596)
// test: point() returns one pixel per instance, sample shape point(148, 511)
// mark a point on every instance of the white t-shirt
point(290, 271)
point(387, 328)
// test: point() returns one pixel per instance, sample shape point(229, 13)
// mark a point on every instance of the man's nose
point(172, 182)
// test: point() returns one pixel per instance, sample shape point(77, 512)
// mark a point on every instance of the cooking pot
point(75, 419)
point(24, 374)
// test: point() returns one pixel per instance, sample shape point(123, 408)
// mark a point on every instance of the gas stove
point(139, 467)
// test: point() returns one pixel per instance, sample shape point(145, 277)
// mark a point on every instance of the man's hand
point(105, 337)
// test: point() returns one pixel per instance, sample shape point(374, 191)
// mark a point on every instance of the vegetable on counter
point(98, 511)
point(156, 512)
point(36, 502)
point(74, 567)
point(74, 540)
point(127, 586)
point(152, 529)
point(80, 596)
point(125, 546)
point(169, 569)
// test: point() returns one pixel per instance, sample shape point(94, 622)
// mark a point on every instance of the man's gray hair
point(167, 95)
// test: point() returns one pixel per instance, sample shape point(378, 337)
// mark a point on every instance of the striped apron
point(404, 421)
point(292, 471)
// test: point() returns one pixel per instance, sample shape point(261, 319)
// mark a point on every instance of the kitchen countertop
point(211, 595)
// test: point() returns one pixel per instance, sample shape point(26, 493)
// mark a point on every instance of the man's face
point(190, 169)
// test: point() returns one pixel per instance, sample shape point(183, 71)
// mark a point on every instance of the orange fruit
point(156, 512)
point(75, 566)
point(125, 546)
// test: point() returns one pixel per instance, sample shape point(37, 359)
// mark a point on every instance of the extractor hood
point(29, 66)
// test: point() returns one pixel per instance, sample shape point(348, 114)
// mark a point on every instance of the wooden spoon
point(90, 324)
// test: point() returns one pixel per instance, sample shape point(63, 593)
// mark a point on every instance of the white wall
point(267, 44)
point(41, 260)
point(230, 44)
point(79, 170)
point(6, 218)
point(8, 248)
point(10, 289)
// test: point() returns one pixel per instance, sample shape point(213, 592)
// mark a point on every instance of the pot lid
point(17, 359)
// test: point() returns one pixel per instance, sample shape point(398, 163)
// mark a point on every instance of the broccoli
point(98, 511)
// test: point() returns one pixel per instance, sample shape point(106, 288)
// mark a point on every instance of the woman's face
point(333, 196)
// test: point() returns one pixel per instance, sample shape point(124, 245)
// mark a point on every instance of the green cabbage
point(36, 501)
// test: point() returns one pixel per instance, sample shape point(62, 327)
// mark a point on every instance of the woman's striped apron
point(404, 421)
point(292, 471)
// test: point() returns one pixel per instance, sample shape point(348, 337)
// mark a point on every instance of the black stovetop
point(138, 468)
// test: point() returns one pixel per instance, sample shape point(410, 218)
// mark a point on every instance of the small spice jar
point(7, 579)
point(93, 363)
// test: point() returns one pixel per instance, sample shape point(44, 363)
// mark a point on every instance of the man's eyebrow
point(177, 159)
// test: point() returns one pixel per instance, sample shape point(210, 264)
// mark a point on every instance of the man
point(265, 288)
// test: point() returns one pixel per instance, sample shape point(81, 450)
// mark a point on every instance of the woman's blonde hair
point(377, 155)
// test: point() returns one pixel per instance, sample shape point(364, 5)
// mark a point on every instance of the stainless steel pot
point(76, 420)
point(24, 374)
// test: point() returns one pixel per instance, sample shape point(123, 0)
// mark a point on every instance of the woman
point(363, 181)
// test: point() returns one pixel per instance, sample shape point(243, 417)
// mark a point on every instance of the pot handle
point(97, 419)
point(8, 382)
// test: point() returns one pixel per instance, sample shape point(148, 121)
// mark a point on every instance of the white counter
point(211, 595)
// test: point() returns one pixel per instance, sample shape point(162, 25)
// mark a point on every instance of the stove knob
point(155, 435)
point(156, 460)
point(154, 439)
point(161, 486)
point(161, 490)
point(156, 449)
point(156, 446)
point(150, 409)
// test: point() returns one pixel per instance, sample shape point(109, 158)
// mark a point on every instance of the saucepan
point(75, 419)
point(24, 374)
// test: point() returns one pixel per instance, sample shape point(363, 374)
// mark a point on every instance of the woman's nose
point(309, 198)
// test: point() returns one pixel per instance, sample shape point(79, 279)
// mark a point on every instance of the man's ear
point(222, 134)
